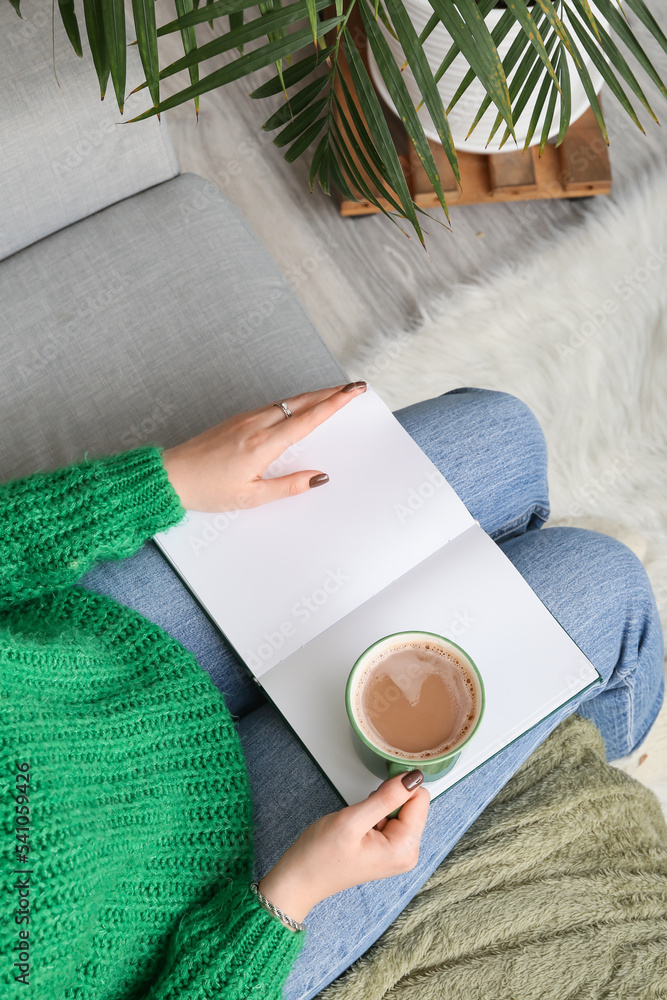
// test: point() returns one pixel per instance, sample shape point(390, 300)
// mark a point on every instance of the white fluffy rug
point(580, 334)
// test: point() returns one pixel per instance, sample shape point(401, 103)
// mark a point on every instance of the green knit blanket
point(558, 891)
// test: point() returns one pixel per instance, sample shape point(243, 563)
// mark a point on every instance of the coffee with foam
point(416, 700)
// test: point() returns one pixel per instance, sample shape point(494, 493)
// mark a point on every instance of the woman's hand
point(357, 844)
point(222, 468)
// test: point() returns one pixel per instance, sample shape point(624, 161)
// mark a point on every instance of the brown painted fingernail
point(349, 387)
point(319, 480)
point(412, 779)
point(360, 385)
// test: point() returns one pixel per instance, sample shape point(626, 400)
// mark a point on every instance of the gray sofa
point(136, 304)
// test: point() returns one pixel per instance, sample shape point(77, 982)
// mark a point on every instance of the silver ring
point(285, 408)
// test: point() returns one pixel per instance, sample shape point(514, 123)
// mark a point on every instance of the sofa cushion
point(65, 153)
point(147, 322)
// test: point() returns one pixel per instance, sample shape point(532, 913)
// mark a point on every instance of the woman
point(134, 865)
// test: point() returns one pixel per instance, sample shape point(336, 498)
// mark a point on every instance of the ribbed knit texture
point(140, 814)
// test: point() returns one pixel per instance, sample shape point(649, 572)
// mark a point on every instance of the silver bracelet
point(294, 924)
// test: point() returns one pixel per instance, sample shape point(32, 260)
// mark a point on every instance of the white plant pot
point(463, 114)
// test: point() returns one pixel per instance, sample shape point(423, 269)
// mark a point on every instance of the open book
point(302, 586)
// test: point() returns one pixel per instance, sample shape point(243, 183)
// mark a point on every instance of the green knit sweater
point(126, 838)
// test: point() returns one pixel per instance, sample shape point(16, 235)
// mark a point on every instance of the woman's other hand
point(222, 468)
point(357, 844)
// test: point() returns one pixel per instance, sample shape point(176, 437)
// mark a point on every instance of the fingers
point(267, 490)
point(389, 796)
point(301, 424)
point(412, 817)
point(297, 404)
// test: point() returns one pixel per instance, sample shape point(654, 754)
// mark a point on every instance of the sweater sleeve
point(232, 947)
point(54, 526)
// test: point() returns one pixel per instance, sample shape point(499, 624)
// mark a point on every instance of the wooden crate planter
point(578, 168)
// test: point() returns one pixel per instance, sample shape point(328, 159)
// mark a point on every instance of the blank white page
point(470, 592)
point(276, 576)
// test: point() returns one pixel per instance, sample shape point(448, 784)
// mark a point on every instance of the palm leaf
point(248, 63)
point(424, 77)
point(617, 60)
point(341, 148)
point(235, 21)
point(382, 14)
point(482, 65)
point(522, 15)
point(297, 103)
point(70, 23)
point(501, 29)
point(544, 91)
point(486, 6)
point(639, 8)
point(189, 41)
point(293, 74)
point(549, 117)
point(143, 12)
point(378, 129)
point(324, 172)
point(358, 123)
point(371, 164)
point(305, 139)
point(565, 98)
point(267, 24)
point(519, 49)
point(318, 156)
point(16, 4)
point(399, 94)
point(528, 85)
point(312, 17)
point(219, 8)
point(602, 66)
point(569, 43)
point(113, 18)
point(554, 20)
point(362, 144)
point(301, 122)
point(620, 26)
point(587, 84)
point(92, 11)
point(478, 29)
point(346, 162)
point(337, 175)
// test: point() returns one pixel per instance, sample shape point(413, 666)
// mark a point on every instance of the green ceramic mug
point(379, 761)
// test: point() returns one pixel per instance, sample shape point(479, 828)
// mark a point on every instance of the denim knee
point(514, 428)
point(627, 707)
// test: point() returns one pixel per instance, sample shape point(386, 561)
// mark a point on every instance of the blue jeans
point(491, 449)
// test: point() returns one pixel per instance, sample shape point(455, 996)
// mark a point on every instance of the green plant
point(316, 109)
